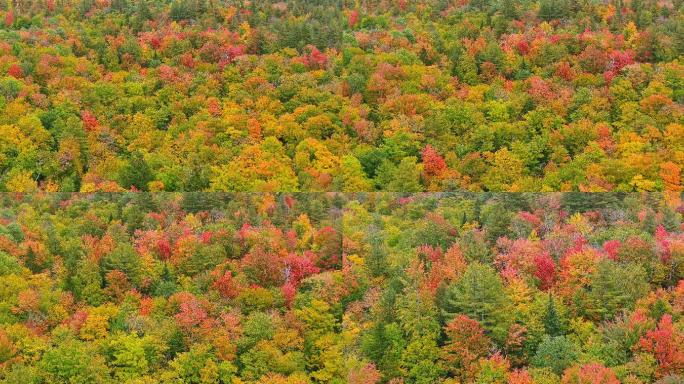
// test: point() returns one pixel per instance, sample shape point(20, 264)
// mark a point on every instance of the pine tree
point(32, 262)
point(479, 295)
point(136, 173)
point(552, 325)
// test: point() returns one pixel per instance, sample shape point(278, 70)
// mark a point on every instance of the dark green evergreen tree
point(552, 324)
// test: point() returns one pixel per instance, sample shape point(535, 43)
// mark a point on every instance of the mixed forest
point(341, 192)
point(341, 95)
point(202, 288)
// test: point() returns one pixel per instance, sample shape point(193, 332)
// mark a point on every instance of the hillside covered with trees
point(340, 288)
point(341, 95)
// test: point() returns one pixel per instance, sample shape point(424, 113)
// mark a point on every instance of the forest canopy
point(375, 288)
point(341, 95)
point(341, 192)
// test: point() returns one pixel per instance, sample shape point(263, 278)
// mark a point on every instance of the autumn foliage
point(246, 96)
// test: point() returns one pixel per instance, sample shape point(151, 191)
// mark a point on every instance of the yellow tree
point(315, 164)
point(259, 167)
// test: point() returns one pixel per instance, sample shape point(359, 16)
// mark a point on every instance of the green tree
point(71, 362)
point(125, 259)
point(419, 361)
point(557, 353)
point(136, 173)
point(552, 324)
point(404, 177)
point(126, 356)
point(351, 177)
point(384, 344)
point(199, 365)
point(478, 294)
point(9, 265)
point(609, 293)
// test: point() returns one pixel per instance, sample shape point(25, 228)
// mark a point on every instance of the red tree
point(520, 376)
point(90, 122)
point(589, 374)
point(667, 345)
point(545, 270)
point(433, 163)
point(226, 285)
point(9, 18)
point(15, 71)
point(612, 248)
point(353, 18)
point(467, 343)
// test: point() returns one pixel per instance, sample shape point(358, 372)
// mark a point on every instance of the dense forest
point(362, 288)
point(341, 95)
point(341, 191)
